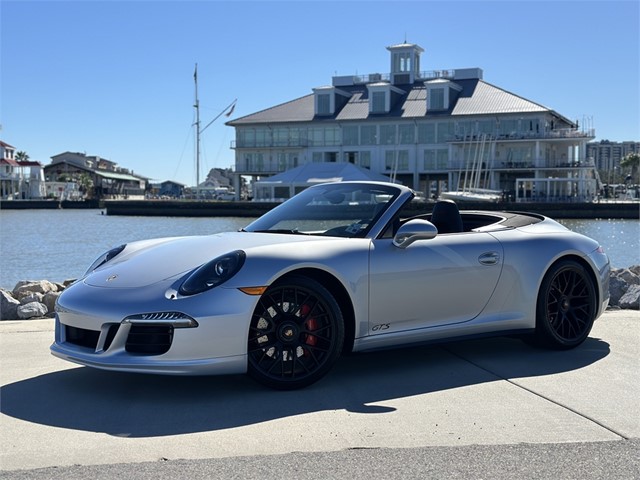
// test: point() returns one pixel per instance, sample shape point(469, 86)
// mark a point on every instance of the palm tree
point(22, 156)
point(631, 160)
point(86, 184)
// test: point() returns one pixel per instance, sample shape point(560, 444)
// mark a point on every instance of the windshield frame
point(309, 206)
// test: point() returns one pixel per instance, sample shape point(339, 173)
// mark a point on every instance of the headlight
point(105, 257)
point(213, 273)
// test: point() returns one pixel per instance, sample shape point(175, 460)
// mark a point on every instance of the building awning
point(118, 176)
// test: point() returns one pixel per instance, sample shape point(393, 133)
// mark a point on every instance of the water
point(58, 245)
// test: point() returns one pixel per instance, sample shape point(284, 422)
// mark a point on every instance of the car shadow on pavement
point(136, 405)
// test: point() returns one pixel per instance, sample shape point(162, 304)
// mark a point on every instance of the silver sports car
point(340, 267)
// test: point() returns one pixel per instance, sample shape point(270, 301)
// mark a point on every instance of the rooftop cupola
point(405, 63)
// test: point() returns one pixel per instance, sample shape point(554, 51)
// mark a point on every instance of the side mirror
point(414, 230)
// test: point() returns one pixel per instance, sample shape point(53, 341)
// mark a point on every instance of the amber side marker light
point(253, 290)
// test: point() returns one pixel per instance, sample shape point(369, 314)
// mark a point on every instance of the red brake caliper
point(310, 323)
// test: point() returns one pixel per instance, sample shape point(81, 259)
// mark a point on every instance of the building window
point(351, 157)
point(316, 137)
point(350, 135)
point(442, 159)
point(406, 134)
point(246, 138)
point(402, 62)
point(280, 137)
point(427, 133)
point(389, 159)
point(445, 132)
point(429, 160)
point(324, 104)
point(378, 102)
point(282, 162)
point(403, 160)
point(387, 134)
point(332, 136)
point(365, 159)
point(487, 126)
point(436, 99)
point(396, 161)
point(281, 192)
point(436, 159)
point(263, 137)
point(317, 157)
point(368, 135)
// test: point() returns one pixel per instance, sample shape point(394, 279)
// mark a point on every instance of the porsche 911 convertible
point(340, 267)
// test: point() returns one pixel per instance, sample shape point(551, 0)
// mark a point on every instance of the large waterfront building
point(431, 130)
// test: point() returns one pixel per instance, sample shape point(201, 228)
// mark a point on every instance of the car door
point(444, 280)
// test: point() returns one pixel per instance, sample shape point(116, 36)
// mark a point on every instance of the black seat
point(446, 217)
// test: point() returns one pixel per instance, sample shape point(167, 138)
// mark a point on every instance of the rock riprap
point(30, 299)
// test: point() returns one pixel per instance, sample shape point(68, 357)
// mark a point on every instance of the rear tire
point(566, 306)
point(296, 334)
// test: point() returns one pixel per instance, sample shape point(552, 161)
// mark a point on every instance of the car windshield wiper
point(292, 231)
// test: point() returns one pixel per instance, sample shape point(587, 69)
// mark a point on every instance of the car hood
point(151, 261)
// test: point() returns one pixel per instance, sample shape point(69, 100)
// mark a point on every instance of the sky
point(115, 78)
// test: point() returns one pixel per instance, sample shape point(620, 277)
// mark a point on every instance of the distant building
point(97, 177)
point(9, 178)
point(607, 155)
point(168, 188)
point(217, 185)
point(431, 130)
point(19, 179)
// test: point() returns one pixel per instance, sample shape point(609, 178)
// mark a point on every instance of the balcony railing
point(566, 133)
point(527, 135)
point(560, 164)
point(243, 166)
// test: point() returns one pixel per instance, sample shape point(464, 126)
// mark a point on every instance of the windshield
point(335, 209)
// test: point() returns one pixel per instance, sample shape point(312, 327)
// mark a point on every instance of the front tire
point(296, 334)
point(566, 306)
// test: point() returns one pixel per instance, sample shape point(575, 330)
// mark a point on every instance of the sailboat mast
point(197, 107)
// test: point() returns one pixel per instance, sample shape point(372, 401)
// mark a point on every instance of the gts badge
point(380, 327)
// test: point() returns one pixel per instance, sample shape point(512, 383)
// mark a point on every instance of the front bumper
point(104, 328)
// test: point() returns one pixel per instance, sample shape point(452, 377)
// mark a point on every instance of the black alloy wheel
point(566, 306)
point(296, 334)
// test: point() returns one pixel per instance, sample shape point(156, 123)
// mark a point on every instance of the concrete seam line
point(566, 407)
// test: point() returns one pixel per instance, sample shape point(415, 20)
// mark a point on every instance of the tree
point(86, 184)
point(632, 161)
point(22, 156)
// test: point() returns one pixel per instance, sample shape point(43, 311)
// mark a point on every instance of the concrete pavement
point(483, 392)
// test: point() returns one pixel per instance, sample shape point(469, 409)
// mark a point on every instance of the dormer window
point(324, 104)
point(378, 102)
point(435, 100)
point(441, 94)
point(383, 96)
point(329, 100)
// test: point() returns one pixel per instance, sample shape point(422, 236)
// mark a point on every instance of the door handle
point(489, 258)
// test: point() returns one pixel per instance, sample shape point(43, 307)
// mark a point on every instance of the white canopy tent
point(286, 184)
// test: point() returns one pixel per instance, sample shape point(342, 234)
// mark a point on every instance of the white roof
point(322, 173)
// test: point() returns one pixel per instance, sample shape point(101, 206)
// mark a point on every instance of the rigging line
point(184, 147)
point(219, 115)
